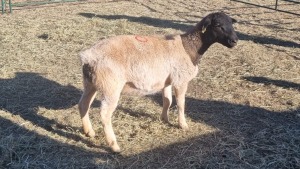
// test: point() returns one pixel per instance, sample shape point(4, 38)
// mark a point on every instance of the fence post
point(10, 7)
point(2, 6)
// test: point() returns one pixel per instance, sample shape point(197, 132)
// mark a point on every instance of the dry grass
point(243, 108)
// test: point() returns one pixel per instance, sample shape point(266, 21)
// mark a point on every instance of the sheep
point(136, 64)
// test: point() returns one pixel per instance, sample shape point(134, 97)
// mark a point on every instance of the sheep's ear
point(206, 23)
point(233, 20)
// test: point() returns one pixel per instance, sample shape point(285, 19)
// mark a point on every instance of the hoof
point(91, 133)
point(184, 126)
point(115, 147)
point(164, 119)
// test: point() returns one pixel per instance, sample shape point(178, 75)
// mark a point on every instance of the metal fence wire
point(8, 5)
point(273, 5)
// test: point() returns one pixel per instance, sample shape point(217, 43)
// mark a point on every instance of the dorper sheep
point(134, 64)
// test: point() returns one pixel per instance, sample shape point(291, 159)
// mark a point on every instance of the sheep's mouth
point(232, 45)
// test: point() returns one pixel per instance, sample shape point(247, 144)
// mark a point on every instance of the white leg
point(167, 101)
point(85, 102)
point(180, 98)
point(108, 106)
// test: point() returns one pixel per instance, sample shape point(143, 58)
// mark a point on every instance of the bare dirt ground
point(243, 108)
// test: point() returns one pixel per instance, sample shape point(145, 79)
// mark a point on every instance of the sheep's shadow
point(24, 94)
point(23, 148)
point(185, 25)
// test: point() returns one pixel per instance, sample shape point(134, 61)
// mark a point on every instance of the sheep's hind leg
point(180, 98)
point(85, 102)
point(108, 106)
point(167, 101)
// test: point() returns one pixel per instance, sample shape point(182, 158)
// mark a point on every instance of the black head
point(217, 27)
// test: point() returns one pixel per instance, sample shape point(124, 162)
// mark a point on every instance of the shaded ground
point(243, 107)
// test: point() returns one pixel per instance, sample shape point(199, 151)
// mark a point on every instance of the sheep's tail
point(87, 65)
point(87, 72)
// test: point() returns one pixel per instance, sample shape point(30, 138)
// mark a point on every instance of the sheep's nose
point(232, 42)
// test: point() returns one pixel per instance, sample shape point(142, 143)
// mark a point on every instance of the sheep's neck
point(194, 46)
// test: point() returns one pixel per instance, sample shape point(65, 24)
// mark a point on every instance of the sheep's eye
point(219, 26)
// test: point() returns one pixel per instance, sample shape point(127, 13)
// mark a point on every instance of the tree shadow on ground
point(246, 137)
point(180, 25)
point(267, 81)
point(184, 26)
point(24, 94)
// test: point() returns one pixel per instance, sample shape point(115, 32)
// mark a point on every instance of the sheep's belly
point(142, 89)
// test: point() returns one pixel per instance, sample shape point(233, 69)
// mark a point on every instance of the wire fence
point(8, 5)
point(278, 5)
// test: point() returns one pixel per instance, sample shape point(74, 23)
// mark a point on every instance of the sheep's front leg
point(167, 101)
point(180, 98)
point(84, 104)
point(108, 106)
